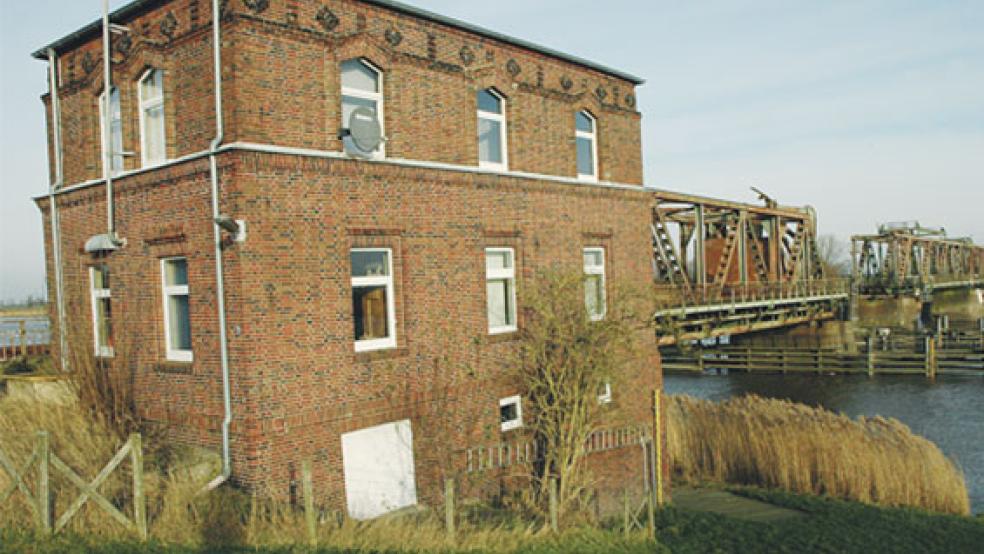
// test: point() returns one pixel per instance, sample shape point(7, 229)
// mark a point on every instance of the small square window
point(373, 307)
point(605, 393)
point(511, 413)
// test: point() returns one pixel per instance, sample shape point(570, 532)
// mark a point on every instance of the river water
point(948, 411)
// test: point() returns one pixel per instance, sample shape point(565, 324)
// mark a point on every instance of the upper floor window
point(153, 137)
point(177, 313)
point(586, 136)
point(114, 141)
point(373, 306)
point(594, 283)
point(362, 87)
point(500, 285)
point(492, 150)
point(102, 326)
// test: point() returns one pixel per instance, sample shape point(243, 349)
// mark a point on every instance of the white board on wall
point(379, 470)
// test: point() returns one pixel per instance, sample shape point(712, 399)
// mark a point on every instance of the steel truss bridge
point(730, 268)
point(907, 258)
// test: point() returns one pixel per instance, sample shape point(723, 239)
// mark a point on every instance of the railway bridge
point(726, 268)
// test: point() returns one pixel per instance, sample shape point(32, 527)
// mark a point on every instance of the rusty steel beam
point(791, 212)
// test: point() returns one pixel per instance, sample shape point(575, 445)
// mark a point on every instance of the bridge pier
point(840, 335)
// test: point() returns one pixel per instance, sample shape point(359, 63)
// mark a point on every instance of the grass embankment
point(39, 310)
point(789, 446)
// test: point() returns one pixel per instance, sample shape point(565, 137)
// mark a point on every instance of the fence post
point(658, 445)
point(871, 356)
point(44, 490)
point(449, 507)
point(625, 512)
point(554, 516)
point(930, 348)
point(139, 501)
point(308, 487)
point(22, 331)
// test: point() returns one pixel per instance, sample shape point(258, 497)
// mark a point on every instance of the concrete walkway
point(731, 505)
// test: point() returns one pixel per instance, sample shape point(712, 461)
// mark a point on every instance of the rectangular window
point(594, 283)
point(153, 135)
point(362, 87)
point(500, 284)
point(373, 305)
point(511, 413)
point(102, 313)
point(492, 151)
point(115, 138)
point(177, 316)
point(585, 136)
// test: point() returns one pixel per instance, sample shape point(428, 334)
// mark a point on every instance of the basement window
point(586, 140)
point(511, 413)
point(102, 313)
point(115, 138)
point(373, 307)
point(153, 134)
point(594, 283)
point(492, 149)
point(177, 314)
point(500, 284)
point(362, 87)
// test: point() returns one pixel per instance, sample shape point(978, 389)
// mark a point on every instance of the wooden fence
point(900, 357)
point(41, 499)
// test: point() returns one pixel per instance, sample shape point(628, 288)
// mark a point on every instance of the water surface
point(948, 411)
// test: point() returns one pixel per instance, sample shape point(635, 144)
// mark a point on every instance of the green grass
point(832, 526)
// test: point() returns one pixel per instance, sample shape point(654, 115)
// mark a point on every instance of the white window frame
point(508, 274)
point(378, 97)
point(375, 281)
point(106, 139)
point(97, 295)
point(169, 291)
point(503, 132)
point(516, 423)
point(591, 270)
point(593, 137)
point(606, 397)
point(147, 105)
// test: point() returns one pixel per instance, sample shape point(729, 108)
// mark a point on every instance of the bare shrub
point(777, 443)
point(565, 361)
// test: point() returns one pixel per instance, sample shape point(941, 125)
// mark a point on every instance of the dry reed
point(781, 444)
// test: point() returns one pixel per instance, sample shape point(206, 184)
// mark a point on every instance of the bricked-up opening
point(373, 306)
point(102, 310)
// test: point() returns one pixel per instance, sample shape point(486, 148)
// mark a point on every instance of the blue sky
point(870, 111)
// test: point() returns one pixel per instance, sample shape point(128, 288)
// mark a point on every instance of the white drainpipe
point(107, 122)
point(53, 209)
point(217, 231)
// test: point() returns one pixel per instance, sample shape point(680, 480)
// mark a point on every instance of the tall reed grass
point(781, 444)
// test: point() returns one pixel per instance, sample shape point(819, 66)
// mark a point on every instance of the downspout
point(53, 209)
point(107, 122)
point(217, 231)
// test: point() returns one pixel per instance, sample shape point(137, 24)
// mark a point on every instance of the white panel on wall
point(379, 471)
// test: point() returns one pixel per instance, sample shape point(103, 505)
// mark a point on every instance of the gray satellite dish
point(364, 133)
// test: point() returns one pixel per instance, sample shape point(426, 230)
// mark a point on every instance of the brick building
point(351, 282)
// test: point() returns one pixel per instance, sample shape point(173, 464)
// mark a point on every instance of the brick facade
point(297, 383)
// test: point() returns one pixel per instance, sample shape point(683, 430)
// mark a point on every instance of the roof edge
point(138, 6)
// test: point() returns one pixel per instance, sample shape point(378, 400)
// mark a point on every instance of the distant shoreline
point(32, 311)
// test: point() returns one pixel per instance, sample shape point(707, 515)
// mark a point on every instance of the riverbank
point(827, 525)
point(24, 312)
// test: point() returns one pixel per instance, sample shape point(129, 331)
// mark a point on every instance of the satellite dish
point(364, 133)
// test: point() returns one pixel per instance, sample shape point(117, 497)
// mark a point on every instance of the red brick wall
point(281, 86)
point(297, 382)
